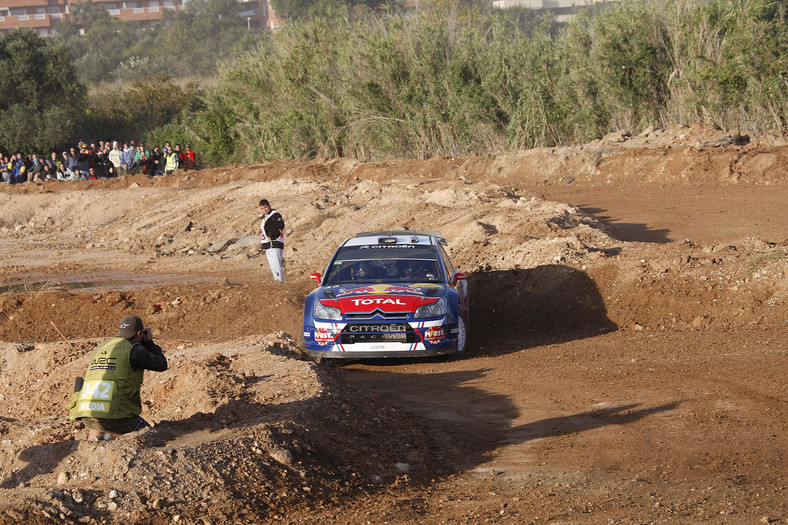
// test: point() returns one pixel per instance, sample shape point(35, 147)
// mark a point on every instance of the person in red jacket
point(188, 158)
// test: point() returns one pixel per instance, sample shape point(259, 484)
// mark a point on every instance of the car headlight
point(431, 310)
point(327, 312)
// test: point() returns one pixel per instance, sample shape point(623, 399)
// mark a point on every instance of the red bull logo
point(393, 288)
point(358, 291)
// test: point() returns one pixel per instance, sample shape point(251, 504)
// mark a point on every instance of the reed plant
point(452, 81)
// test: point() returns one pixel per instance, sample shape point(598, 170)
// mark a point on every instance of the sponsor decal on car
point(434, 334)
point(359, 290)
point(373, 328)
point(385, 303)
point(323, 336)
point(380, 289)
point(387, 247)
point(394, 288)
point(378, 300)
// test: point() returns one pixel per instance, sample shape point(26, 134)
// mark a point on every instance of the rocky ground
point(627, 363)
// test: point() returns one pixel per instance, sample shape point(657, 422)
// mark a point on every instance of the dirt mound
point(658, 239)
point(248, 417)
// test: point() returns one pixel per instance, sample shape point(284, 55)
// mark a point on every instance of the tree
point(40, 97)
point(98, 42)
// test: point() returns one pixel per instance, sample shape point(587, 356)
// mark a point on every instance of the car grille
point(373, 333)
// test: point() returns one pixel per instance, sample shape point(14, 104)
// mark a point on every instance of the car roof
point(396, 237)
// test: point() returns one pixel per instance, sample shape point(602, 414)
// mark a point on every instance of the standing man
point(272, 239)
point(171, 161)
point(109, 400)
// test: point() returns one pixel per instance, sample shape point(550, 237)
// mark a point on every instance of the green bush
point(137, 110)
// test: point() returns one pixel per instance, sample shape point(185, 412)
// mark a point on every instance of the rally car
point(388, 294)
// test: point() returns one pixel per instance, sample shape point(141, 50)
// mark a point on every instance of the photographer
point(108, 400)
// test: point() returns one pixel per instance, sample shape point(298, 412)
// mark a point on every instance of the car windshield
point(384, 264)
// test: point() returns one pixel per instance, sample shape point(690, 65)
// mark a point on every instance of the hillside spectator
point(109, 167)
point(114, 157)
point(141, 158)
point(47, 172)
point(19, 172)
point(78, 175)
point(188, 162)
point(73, 159)
point(27, 165)
point(181, 156)
point(63, 173)
point(99, 169)
point(36, 169)
point(52, 161)
point(171, 162)
point(155, 165)
point(7, 169)
point(127, 158)
point(83, 159)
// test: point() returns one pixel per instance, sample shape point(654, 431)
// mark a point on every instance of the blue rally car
point(388, 294)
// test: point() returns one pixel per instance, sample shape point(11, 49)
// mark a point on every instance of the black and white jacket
point(272, 231)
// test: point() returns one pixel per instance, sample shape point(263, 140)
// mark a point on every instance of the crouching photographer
point(108, 400)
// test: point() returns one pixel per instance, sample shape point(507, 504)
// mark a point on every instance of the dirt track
point(627, 364)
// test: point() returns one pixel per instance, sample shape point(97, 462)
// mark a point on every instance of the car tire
point(462, 336)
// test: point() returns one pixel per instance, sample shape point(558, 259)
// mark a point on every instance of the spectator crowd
point(93, 162)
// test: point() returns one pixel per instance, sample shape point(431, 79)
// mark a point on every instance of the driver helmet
point(363, 270)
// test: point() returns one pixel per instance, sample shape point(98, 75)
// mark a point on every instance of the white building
point(562, 9)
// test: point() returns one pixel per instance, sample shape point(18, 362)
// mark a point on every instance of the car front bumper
point(432, 338)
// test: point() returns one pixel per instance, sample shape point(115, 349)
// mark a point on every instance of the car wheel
point(462, 335)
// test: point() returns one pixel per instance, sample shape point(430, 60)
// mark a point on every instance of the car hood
point(384, 297)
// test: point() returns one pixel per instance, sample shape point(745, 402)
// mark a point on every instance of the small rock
point(219, 246)
point(283, 456)
point(112, 506)
point(63, 478)
point(402, 467)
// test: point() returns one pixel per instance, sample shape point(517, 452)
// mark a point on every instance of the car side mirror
point(315, 277)
point(459, 276)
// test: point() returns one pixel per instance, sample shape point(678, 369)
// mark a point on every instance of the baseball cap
point(129, 326)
